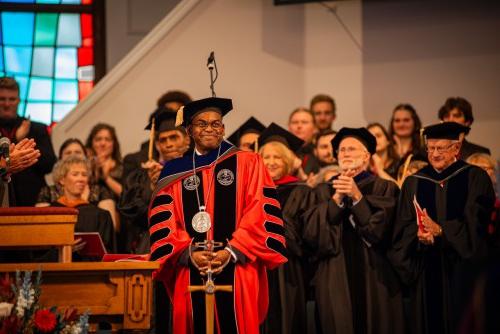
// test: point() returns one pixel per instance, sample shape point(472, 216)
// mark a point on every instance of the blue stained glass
point(74, 2)
point(20, 108)
point(61, 110)
point(66, 91)
point(18, 59)
point(66, 63)
point(1, 33)
point(1, 58)
point(18, 28)
point(48, 1)
point(40, 89)
point(19, 1)
point(39, 112)
point(68, 32)
point(43, 62)
point(23, 86)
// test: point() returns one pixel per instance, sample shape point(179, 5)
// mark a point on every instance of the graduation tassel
point(151, 140)
point(179, 119)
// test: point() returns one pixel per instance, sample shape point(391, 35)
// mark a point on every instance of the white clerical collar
point(197, 152)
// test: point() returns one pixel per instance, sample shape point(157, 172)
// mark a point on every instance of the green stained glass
point(46, 29)
point(48, 1)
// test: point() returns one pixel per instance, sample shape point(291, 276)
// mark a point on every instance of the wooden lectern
point(25, 228)
point(119, 293)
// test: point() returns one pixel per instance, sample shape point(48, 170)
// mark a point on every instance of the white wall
point(334, 58)
point(423, 52)
point(369, 56)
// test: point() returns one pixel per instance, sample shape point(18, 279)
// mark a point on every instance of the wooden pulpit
point(28, 228)
point(119, 293)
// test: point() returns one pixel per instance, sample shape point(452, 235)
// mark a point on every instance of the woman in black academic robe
point(72, 174)
point(288, 284)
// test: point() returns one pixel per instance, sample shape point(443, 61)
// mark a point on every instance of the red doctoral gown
point(242, 203)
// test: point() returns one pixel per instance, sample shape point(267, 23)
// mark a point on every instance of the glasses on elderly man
point(349, 149)
point(203, 125)
point(439, 149)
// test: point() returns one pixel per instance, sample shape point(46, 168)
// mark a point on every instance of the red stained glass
point(88, 42)
point(85, 56)
point(86, 23)
point(84, 88)
point(86, 2)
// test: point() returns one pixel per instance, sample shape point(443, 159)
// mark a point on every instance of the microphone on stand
point(211, 61)
point(211, 66)
point(4, 147)
point(5, 151)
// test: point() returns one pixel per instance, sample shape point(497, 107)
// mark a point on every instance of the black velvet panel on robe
point(356, 289)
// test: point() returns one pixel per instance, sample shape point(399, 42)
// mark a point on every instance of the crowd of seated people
point(340, 191)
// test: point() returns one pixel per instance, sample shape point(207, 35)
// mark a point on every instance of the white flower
point(5, 309)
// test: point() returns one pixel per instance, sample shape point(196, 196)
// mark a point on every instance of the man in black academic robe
point(356, 289)
point(440, 232)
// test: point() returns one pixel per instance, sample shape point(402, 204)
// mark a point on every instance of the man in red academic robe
point(233, 187)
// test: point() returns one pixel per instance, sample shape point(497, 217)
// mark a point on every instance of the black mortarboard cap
point(446, 130)
point(274, 132)
point(362, 134)
point(164, 120)
point(251, 125)
point(193, 108)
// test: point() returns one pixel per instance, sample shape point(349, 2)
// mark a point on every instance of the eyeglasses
point(349, 149)
point(214, 125)
point(439, 149)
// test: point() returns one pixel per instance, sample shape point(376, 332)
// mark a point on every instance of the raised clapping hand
point(23, 155)
point(345, 185)
point(154, 169)
point(23, 130)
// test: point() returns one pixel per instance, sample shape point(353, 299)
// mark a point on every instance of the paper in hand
point(420, 215)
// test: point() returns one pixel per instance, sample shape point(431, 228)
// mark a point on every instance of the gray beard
point(355, 164)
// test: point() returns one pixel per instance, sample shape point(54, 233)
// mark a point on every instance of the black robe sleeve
point(466, 234)
point(299, 200)
point(322, 229)
point(406, 253)
point(374, 213)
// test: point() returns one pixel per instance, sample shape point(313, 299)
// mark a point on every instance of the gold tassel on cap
point(422, 137)
point(151, 140)
point(179, 119)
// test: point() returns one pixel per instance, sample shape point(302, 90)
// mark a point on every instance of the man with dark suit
point(26, 184)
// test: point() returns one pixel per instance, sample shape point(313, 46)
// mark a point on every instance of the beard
point(354, 164)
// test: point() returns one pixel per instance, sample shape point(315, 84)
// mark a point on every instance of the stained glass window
point(48, 46)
